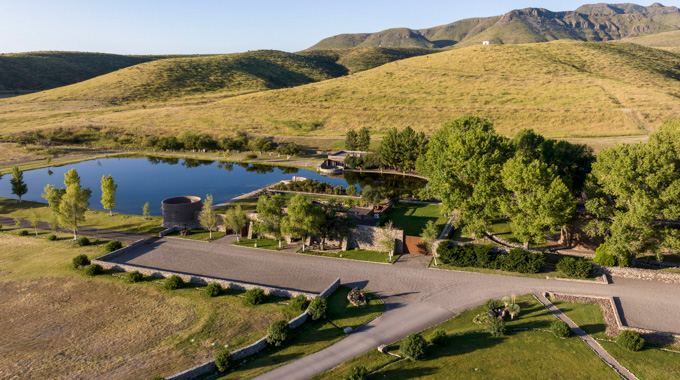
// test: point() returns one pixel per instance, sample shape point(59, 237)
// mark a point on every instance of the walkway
point(592, 343)
point(125, 237)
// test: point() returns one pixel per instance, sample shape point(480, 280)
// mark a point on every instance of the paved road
point(416, 298)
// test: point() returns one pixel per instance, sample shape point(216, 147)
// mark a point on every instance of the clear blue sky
point(212, 26)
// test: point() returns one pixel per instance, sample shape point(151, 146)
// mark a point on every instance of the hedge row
point(481, 256)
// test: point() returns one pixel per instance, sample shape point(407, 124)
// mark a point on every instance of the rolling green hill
point(361, 59)
point(560, 89)
point(598, 22)
point(44, 70)
point(669, 41)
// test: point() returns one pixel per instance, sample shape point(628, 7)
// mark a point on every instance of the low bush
point(413, 347)
point(82, 241)
point(23, 233)
point(80, 261)
point(357, 372)
point(251, 156)
point(521, 261)
point(113, 245)
point(135, 276)
point(575, 268)
point(213, 289)
point(174, 282)
point(254, 296)
point(439, 338)
point(481, 256)
point(93, 269)
point(318, 308)
point(278, 333)
point(223, 360)
point(299, 303)
point(603, 257)
point(51, 237)
point(496, 327)
point(630, 340)
point(560, 329)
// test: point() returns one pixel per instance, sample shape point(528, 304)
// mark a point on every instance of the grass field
point(413, 217)
point(473, 354)
point(359, 254)
point(198, 234)
point(58, 323)
point(645, 364)
point(271, 244)
point(315, 336)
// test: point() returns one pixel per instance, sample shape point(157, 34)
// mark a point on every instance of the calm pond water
point(142, 180)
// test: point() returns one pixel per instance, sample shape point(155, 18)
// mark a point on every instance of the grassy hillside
point(561, 89)
point(45, 70)
point(361, 59)
point(669, 41)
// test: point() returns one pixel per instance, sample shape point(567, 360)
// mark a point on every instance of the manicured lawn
point(74, 326)
point(313, 336)
point(272, 244)
point(645, 364)
point(473, 353)
point(198, 234)
point(360, 254)
point(413, 217)
point(93, 218)
point(542, 274)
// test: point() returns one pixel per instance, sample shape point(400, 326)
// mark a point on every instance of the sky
point(227, 26)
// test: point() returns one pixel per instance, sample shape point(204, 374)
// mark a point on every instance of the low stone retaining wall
point(119, 252)
point(242, 353)
point(640, 274)
point(370, 238)
point(168, 231)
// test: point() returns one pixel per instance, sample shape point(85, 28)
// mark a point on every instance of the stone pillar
point(250, 230)
point(343, 245)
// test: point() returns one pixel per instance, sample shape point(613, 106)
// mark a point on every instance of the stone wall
point(369, 238)
point(119, 252)
point(640, 274)
point(168, 231)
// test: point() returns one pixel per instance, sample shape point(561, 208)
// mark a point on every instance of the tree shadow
point(410, 373)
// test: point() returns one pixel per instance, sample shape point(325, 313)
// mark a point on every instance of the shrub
point(174, 282)
point(485, 256)
point(560, 329)
point(318, 308)
point(496, 327)
point(278, 332)
point(112, 246)
point(519, 260)
point(251, 156)
point(357, 372)
point(80, 261)
point(223, 360)
point(51, 237)
point(413, 346)
point(135, 276)
point(23, 233)
point(299, 303)
point(82, 241)
point(93, 269)
point(254, 296)
point(603, 257)
point(213, 290)
point(575, 268)
point(630, 340)
point(439, 338)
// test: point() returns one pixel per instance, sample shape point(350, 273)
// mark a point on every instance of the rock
point(347, 330)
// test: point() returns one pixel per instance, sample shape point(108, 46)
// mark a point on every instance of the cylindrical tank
point(181, 211)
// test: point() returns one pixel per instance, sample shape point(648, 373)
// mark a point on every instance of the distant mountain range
point(596, 22)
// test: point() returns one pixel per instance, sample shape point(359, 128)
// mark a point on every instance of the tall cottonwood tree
point(108, 193)
point(71, 203)
point(303, 219)
point(19, 187)
point(270, 215)
point(208, 216)
point(235, 219)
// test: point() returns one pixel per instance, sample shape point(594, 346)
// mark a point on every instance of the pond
point(152, 179)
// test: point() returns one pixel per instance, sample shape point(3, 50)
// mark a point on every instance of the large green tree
point(536, 199)
point(270, 215)
point(19, 187)
point(390, 149)
point(108, 193)
point(71, 203)
point(364, 139)
point(235, 219)
point(334, 226)
point(463, 163)
point(208, 216)
point(303, 219)
point(632, 190)
point(351, 140)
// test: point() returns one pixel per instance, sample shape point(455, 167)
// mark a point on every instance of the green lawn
point(473, 353)
point(498, 227)
point(313, 336)
point(198, 234)
point(359, 254)
point(412, 218)
point(645, 364)
point(93, 218)
point(272, 244)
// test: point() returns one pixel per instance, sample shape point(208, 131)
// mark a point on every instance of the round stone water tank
point(181, 211)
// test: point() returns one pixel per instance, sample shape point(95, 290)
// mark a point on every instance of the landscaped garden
point(263, 243)
point(413, 217)
point(357, 254)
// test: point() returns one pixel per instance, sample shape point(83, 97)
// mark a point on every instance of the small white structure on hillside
point(486, 43)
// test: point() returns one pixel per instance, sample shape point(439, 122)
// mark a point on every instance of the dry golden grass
point(58, 323)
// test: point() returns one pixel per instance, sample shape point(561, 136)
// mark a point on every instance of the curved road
point(415, 297)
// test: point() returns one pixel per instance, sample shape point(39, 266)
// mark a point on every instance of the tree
point(290, 149)
point(390, 149)
point(351, 140)
point(145, 210)
point(413, 346)
point(302, 220)
point(270, 215)
point(351, 190)
point(34, 219)
point(278, 333)
point(235, 219)
point(54, 222)
point(317, 308)
point(70, 204)
point(363, 141)
point(208, 216)
point(223, 360)
point(429, 236)
point(463, 163)
point(333, 226)
point(372, 195)
point(19, 187)
point(536, 200)
point(388, 242)
point(108, 193)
